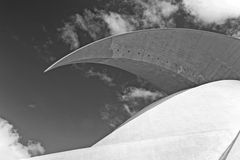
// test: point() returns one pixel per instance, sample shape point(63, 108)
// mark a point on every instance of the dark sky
point(61, 108)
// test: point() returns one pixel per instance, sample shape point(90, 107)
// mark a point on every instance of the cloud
point(129, 110)
point(154, 11)
point(167, 8)
point(84, 28)
point(69, 35)
point(236, 35)
point(213, 11)
point(88, 72)
point(132, 93)
point(10, 146)
point(114, 114)
point(148, 14)
point(100, 23)
point(80, 22)
point(32, 105)
point(102, 76)
point(130, 101)
point(35, 148)
point(91, 23)
point(117, 24)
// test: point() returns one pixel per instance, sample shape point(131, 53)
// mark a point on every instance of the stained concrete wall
point(172, 59)
point(198, 124)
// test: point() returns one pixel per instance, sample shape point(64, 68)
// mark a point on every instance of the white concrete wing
point(198, 124)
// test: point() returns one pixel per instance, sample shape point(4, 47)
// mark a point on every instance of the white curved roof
point(200, 124)
point(208, 108)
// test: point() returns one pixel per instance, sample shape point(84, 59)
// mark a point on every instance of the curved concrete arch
point(171, 59)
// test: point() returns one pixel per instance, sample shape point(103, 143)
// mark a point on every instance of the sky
point(75, 106)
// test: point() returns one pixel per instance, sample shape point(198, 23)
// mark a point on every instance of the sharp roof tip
point(51, 67)
point(54, 65)
point(48, 69)
point(45, 71)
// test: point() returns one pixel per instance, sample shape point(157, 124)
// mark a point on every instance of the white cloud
point(97, 24)
point(131, 101)
point(35, 148)
point(102, 76)
point(117, 24)
point(69, 35)
point(129, 110)
point(84, 23)
point(79, 20)
point(11, 148)
point(132, 93)
point(168, 8)
point(32, 105)
point(210, 11)
point(236, 35)
point(155, 10)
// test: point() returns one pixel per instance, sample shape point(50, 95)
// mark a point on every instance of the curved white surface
point(211, 107)
point(198, 124)
point(190, 147)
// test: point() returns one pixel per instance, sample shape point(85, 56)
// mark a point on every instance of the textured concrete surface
point(172, 59)
point(197, 124)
